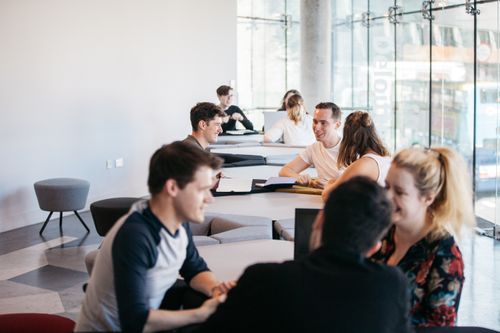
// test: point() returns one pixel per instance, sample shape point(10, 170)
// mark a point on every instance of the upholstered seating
point(227, 228)
point(216, 229)
point(285, 229)
point(35, 322)
point(62, 195)
point(454, 329)
point(106, 212)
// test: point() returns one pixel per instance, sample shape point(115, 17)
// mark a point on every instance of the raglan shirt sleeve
point(194, 263)
point(133, 253)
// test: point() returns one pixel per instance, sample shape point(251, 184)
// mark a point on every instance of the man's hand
point(209, 307)
point(223, 288)
point(304, 180)
point(317, 183)
point(236, 116)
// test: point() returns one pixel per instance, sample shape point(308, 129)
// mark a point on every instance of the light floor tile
point(25, 260)
point(65, 257)
point(43, 303)
point(10, 289)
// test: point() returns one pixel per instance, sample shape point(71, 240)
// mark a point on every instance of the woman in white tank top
point(361, 152)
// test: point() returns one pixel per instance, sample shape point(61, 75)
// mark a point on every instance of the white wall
point(84, 81)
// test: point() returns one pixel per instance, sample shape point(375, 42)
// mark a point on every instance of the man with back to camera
point(323, 153)
point(206, 121)
point(145, 251)
point(336, 288)
point(234, 113)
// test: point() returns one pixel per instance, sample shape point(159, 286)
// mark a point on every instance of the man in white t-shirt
point(323, 153)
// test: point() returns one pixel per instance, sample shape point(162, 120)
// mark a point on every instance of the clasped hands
point(307, 180)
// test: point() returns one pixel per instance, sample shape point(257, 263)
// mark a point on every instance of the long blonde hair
point(359, 137)
point(442, 172)
point(295, 108)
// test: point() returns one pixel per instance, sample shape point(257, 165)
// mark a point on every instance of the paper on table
point(235, 185)
point(273, 181)
point(240, 132)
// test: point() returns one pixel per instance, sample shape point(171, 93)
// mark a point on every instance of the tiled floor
point(46, 274)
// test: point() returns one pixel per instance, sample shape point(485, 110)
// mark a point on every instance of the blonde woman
point(431, 202)
point(296, 128)
point(361, 152)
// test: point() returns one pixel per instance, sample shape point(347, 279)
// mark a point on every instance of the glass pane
point(261, 63)
point(342, 64)
point(381, 79)
point(293, 9)
point(261, 8)
point(341, 9)
point(360, 66)
point(293, 61)
point(487, 113)
point(411, 5)
point(380, 8)
point(412, 81)
point(452, 81)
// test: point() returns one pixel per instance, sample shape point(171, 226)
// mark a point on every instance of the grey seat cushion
point(62, 194)
point(204, 240)
point(224, 228)
point(244, 234)
point(285, 229)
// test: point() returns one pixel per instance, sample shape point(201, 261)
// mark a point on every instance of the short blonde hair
point(442, 172)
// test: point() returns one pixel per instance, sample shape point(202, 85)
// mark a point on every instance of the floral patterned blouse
point(435, 273)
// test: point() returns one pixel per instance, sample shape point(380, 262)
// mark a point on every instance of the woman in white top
point(296, 129)
point(361, 152)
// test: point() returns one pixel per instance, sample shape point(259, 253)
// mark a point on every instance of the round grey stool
point(62, 195)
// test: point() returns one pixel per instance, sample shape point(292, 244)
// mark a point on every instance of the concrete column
point(315, 51)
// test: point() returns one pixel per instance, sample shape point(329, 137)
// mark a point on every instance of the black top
point(231, 124)
point(325, 292)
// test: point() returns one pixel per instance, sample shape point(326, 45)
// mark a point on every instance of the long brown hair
point(359, 137)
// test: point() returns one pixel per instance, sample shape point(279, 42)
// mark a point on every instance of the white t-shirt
point(300, 134)
point(323, 159)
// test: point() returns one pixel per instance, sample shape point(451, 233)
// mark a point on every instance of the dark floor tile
point(52, 278)
point(27, 236)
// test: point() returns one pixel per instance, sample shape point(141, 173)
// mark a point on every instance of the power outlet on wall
point(109, 164)
point(119, 162)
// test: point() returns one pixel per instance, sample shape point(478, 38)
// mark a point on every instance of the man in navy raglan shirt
point(146, 250)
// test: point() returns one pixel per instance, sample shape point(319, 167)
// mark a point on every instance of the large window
point(427, 71)
point(268, 54)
